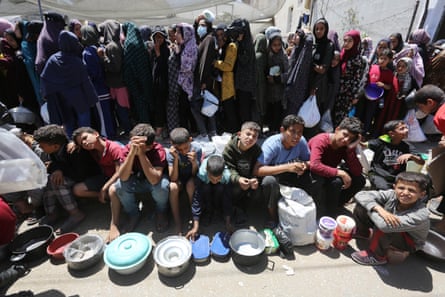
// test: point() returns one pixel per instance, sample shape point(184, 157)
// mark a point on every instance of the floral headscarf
point(189, 58)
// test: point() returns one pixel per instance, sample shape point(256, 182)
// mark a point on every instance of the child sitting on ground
point(399, 218)
point(213, 190)
point(65, 169)
point(108, 154)
point(183, 159)
point(241, 156)
point(391, 154)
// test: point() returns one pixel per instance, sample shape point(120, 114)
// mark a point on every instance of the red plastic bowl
point(55, 249)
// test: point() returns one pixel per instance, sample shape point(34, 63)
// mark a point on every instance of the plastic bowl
point(55, 249)
point(373, 92)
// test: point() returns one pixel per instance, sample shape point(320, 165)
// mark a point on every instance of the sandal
point(161, 223)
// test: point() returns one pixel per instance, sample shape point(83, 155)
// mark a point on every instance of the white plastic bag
point(326, 122)
point(20, 168)
point(309, 112)
point(297, 215)
point(210, 104)
point(415, 132)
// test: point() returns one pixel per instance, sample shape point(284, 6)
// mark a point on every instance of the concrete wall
point(377, 18)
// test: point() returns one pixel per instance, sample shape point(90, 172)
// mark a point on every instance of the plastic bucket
point(326, 226)
point(340, 241)
point(323, 243)
point(345, 225)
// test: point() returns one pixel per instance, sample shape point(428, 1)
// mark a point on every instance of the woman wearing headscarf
point(226, 65)
point(112, 55)
point(30, 33)
point(66, 86)
point(352, 78)
point(137, 73)
point(422, 39)
point(205, 77)
point(245, 70)
point(185, 38)
point(90, 41)
point(321, 60)
point(174, 61)
point(159, 56)
point(383, 44)
point(260, 46)
point(300, 63)
point(47, 43)
point(74, 27)
point(401, 50)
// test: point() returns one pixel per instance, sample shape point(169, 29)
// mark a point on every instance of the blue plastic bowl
point(373, 92)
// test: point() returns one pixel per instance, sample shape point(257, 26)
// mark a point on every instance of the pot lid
point(127, 250)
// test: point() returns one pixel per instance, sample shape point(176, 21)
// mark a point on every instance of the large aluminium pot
point(247, 247)
point(31, 244)
point(172, 255)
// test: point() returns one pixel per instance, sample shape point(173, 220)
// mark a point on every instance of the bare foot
point(113, 234)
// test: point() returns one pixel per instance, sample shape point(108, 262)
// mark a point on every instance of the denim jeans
point(126, 191)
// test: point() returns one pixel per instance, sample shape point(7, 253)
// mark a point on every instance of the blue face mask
point(202, 31)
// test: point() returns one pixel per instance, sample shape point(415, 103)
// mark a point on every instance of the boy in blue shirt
point(284, 160)
point(213, 190)
point(183, 159)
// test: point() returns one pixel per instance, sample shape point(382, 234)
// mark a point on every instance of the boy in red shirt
point(108, 154)
point(334, 185)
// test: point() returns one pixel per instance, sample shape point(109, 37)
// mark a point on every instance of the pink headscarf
point(346, 55)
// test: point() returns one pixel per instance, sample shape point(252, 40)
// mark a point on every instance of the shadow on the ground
point(179, 281)
point(134, 278)
point(411, 275)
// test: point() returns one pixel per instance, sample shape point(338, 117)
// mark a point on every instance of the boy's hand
point(174, 152)
point(345, 178)
point(192, 234)
point(402, 159)
point(253, 183)
point(103, 195)
point(191, 156)
point(57, 177)
point(390, 219)
point(71, 147)
point(244, 183)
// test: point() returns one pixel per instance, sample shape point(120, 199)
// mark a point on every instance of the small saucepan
point(31, 244)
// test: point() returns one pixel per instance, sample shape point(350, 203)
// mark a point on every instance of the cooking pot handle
point(17, 257)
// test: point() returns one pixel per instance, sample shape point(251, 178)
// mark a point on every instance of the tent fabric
point(160, 12)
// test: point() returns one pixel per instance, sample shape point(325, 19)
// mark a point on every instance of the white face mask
point(202, 31)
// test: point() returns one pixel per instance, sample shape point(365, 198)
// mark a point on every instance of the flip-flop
point(201, 248)
point(220, 246)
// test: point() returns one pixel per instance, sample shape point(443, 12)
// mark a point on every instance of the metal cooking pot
point(84, 252)
point(31, 244)
point(434, 247)
point(172, 255)
point(247, 247)
point(22, 115)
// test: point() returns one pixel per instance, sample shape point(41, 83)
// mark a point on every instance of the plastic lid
point(328, 223)
point(201, 247)
point(127, 250)
point(220, 246)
